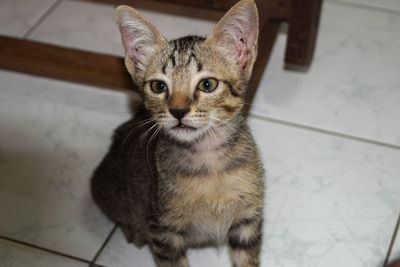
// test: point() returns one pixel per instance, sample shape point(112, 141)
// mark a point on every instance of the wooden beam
point(64, 63)
point(204, 9)
point(203, 4)
point(168, 7)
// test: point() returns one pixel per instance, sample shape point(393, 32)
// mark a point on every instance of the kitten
point(185, 171)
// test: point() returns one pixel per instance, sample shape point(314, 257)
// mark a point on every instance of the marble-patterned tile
point(327, 244)
point(18, 16)
point(92, 26)
point(50, 142)
point(330, 201)
point(16, 255)
point(342, 198)
point(352, 85)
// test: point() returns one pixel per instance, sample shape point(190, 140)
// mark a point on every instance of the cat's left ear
point(140, 39)
point(236, 35)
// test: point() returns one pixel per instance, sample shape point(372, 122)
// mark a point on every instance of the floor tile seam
point(41, 19)
point(43, 249)
point(97, 265)
point(392, 241)
point(364, 6)
point(325, 131)
point(103, 245)
point(332, 220)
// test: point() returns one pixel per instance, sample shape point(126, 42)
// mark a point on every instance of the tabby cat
point(185, 172)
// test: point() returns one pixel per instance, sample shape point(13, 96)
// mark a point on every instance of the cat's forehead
point(181, 57)
point(183, 62)
point(183, 54)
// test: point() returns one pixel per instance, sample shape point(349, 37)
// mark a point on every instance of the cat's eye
point(208, 85)
point(158, 87)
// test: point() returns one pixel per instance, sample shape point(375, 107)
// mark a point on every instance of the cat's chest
point(207, 206)
point(209, 154)
point(211, 160)
point(210, 205)
point(202, 196)
point(206, 225)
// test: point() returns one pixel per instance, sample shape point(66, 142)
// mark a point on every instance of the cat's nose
point(179, 113)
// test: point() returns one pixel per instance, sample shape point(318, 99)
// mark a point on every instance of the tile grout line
point(44, 249)
point(395, 232)
point(369, 7)
point(93, 261)
point(41, 19)
point(323, 131)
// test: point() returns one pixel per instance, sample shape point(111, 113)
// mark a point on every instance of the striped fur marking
point(236, 244)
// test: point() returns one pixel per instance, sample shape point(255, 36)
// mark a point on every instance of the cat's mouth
point(182, 126)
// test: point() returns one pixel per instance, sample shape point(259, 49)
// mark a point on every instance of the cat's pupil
point(206, 84)
point(160, 86)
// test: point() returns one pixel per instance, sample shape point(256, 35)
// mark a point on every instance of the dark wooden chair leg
point(302, 34)
point(268, 33)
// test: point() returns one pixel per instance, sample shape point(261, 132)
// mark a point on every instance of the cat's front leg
point(245, 238)
point(168, 246)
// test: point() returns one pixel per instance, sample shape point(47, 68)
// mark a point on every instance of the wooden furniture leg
point(302, 34)
point(266, 42)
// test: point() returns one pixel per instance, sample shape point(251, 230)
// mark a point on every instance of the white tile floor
point(18, 16)
point(330, 140)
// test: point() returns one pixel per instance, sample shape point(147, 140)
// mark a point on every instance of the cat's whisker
point(158, 129)
point(209, 132)
point(227, 123)
point(136, 127)
point(225, 135)
point(214, 126)
point(143, 136)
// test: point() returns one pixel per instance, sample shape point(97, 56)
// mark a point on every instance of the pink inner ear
point(251, 38)
point(238, 34)
point(128, 38)
point(243, 46)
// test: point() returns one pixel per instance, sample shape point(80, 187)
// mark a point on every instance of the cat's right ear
point(139, 38)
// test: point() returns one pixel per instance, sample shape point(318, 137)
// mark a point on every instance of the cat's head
point(192, 86)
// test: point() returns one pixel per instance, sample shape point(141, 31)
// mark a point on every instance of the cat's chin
point(185, 134)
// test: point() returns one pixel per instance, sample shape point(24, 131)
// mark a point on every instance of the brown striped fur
point(185, 171)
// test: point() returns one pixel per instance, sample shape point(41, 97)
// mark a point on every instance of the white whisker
point(136, 127)
point(158, 129)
